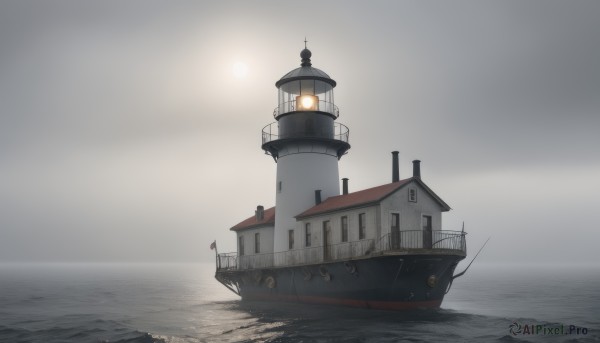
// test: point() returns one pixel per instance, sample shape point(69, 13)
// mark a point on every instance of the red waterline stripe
point(379, 305)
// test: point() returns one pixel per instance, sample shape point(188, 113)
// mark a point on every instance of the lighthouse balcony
point(318, 106)
point(339, 132)
point(407, 242)
point(277, 136)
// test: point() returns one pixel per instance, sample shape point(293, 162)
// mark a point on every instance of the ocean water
point(184, 303)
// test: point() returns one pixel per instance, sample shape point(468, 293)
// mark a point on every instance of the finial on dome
point(305, 55)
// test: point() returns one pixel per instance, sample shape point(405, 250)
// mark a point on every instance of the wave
point(77, 334)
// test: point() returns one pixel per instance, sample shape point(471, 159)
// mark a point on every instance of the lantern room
point(306, 89)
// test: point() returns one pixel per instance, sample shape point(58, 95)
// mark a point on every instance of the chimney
point(395, 167)
point(260, 212)
point(417, 169)
point(345, 185)
point(317, 196)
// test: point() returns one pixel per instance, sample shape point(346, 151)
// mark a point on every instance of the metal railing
point(342, 251)
point(418, 239)
point(405, 240)
point(321, 106)
point(227, 261)
point(271, 133)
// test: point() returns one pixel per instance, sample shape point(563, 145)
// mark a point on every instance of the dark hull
point(389, 282)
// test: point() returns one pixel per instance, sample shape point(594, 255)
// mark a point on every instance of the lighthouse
point(306, 143)
point(381, 247)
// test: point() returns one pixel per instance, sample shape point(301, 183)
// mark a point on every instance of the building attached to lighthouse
point(381, 247)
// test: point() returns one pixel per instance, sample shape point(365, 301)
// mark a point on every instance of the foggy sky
point(124, 135)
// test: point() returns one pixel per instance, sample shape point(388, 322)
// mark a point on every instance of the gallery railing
point(405, 240)
point(271, 133)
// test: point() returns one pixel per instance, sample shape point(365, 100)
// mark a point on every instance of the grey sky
point(125, 136)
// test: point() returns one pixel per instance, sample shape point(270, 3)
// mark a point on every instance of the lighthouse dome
point(305, 72)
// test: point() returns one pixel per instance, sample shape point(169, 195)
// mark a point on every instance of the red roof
point(340, 202)
point(268, 219)
point(366, 196)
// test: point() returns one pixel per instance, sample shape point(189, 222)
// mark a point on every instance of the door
point(427, 232)
point(395, 230)
point(326, 240)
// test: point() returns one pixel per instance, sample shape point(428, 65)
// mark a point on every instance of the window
point(412, 195)
point(362, 226)
point(257, 243)
point(291, 239)
point(344, 229)
point(307, 234)
point(241, 245)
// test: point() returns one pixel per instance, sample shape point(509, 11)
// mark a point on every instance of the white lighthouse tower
point(306, 143)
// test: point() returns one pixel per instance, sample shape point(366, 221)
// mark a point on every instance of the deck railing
point(227, 261)
point(417, 239)
point(404, 241)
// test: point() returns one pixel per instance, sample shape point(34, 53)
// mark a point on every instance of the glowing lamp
point(307, 102)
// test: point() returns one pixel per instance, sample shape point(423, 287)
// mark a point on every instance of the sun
point(240, 70)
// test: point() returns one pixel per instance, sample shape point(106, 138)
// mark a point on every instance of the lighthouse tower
point(306, 142)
